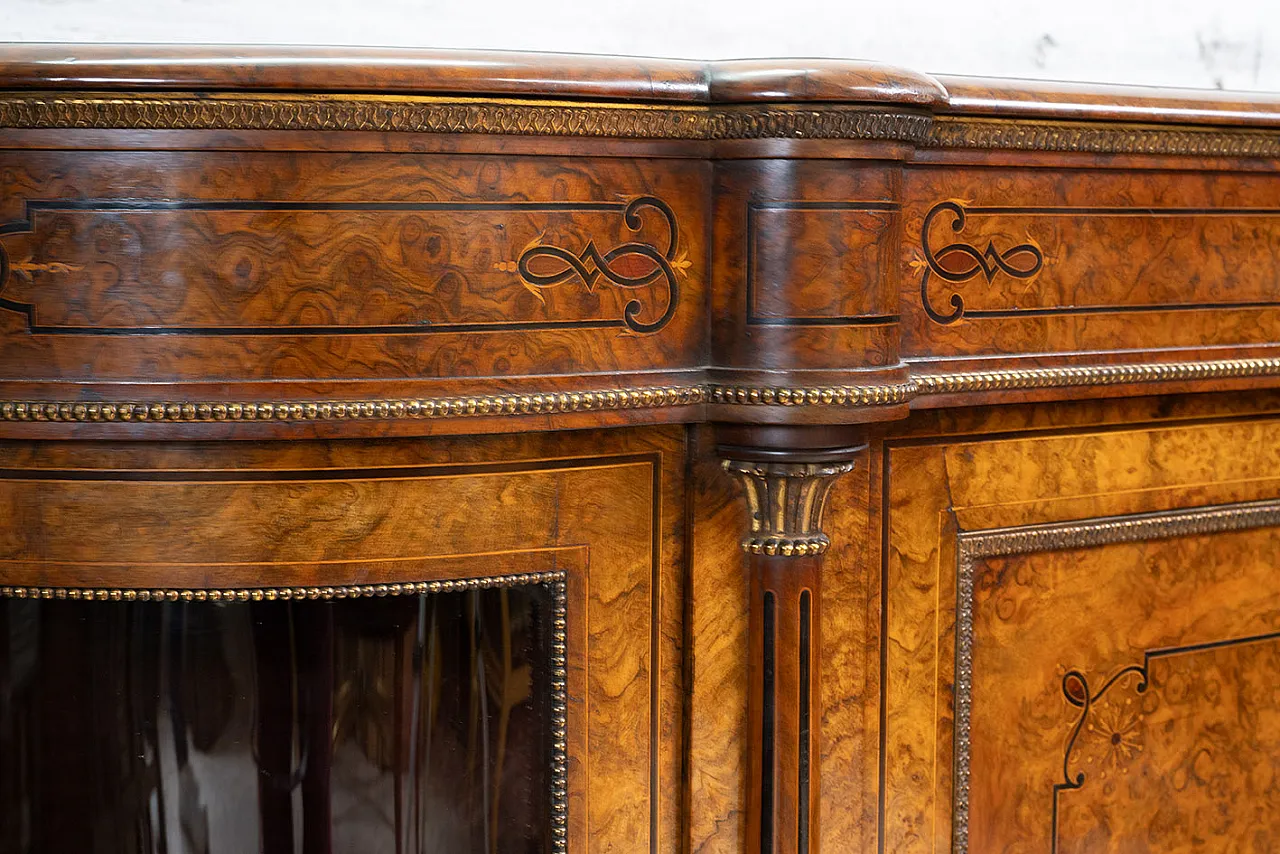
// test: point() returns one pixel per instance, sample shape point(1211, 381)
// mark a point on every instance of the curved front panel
point(185, 267)
point(455, 646)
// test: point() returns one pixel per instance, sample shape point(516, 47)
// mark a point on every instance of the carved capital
point(786, 500)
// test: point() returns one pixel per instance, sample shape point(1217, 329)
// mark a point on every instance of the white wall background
point(1233, 44)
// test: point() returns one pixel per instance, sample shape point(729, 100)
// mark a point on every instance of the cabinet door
point(454, 645)
point(1083, 640)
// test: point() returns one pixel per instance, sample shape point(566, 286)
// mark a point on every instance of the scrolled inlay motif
point(966, 261)
point(1078, 693)
point(590, 265)
point(178, 232)
point(786, 501)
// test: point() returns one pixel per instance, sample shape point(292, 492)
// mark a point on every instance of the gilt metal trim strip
point(181, 111)
point(385, 409)
point(272, 594)
point(1094, 375)
point(1099, 138)
point(559, 714)
point(974, 545)
point(610, 400)
point(873, 394)
point(425, 114)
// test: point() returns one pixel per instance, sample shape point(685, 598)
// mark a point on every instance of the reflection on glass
point(400, 724)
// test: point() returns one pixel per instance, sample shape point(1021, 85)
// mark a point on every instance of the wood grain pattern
point(341, 267)
point(850, 667)
point(786, 475)
point(782, 296)
point(718, 636)
point(1180, 750)
point(170, 249)
point(943, 490)
point(830, 254)
point(1071, 260)
point(337, 70)
point(347, 251)
point(990, 96)
point(271, 267)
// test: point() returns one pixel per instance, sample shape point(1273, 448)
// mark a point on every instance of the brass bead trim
point(786, 546)
point(1095, 375)
point(1089, 533)
point(1031, 135)
point(273, 594)
point(456, 115)
point(559, 715)
point(969, 382)
point(844, 395)
point(550, 403)
point(658, 397)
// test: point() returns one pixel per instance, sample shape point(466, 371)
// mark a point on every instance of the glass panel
point(396, 724)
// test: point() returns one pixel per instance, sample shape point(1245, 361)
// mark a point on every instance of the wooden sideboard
point(485, 452)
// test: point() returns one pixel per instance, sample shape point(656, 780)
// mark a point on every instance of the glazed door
point(452, 646)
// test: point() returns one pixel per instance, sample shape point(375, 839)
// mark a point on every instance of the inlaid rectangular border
point(1025, 261)
point(587, 267)
point(754, 208)
point(1089, 533)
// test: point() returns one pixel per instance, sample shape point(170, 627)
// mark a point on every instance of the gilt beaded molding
point(273, 594)
point(610, 400)
point(478, 406)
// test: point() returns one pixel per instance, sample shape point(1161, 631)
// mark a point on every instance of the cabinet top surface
point(576, 76)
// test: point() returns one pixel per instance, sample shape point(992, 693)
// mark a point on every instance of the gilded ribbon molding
point(551, 118)
point(455, 115)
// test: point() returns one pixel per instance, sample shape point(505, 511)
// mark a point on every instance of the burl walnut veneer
point(407, 451)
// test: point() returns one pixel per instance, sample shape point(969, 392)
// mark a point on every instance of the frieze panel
point(249, 267)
